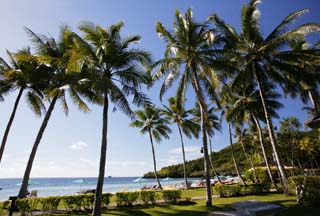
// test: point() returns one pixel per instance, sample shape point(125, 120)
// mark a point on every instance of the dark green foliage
point(224, 190)
point(73, 202)
point(6, 204)
point(171, 196)
point(221, 159)
point(27, 205)
point(50, 203)
point(106, 199)
point(227, 190)
point(148, 197)
point(87, 201)
point(307, 189)
point(126, 198)
point(262, 175)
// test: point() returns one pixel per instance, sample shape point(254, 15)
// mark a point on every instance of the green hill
point(222, 161)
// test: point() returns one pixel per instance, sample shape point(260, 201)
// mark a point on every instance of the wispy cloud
point(80, 145)
point(175, 155)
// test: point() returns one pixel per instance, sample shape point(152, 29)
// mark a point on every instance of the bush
point(73, 202)
point(227, 190)
point(27, 205)
point(6, 204)
point(87, 201)
point(306, 188)
point(148, 196)
point(50, 203)
point(171, 196)
point(106, 199)
point(254, 189)
point(262, 175)
point(126, 198)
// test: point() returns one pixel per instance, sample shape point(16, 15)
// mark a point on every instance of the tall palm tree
point(25, 74)
point(116, 71)
point(212, 124)
point(189, 57)
point(264, 59)
point(177, 114)
point(54, 54)
point(151, 121)
point(246, 107)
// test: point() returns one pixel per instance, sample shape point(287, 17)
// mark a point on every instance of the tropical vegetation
point(240, 74)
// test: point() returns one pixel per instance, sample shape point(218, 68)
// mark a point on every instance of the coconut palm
point(189, 57)
point(24, 74)
point(212, 124)
point(246, 107)
point(264, 58)
point(151, 121)
point(115, 72)
point(55, 55)
point(177, 114)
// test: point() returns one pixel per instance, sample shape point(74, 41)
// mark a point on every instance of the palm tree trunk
point(6, 133)
point(154, 161)
point(184, 159)
point(211, 163)
point(234, 158)
point(202, 105)
point(103, 156)
point(264, 150)
point(26, 176)
point(272, 136)
point(249, 159)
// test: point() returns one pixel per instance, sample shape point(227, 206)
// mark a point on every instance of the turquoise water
point(65, 186)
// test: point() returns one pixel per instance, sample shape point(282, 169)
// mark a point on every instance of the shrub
point(27, 205)
point(87, 201)
point(306, 188)
point(171, 196)
point(254, 188)
point(148, 196)
point(50, 203)
point(227, 190)
point(126, 198)
point(106, 199)
point(73, 202)
point(6, 204)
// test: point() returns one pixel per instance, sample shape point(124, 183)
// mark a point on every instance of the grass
point(197, 207)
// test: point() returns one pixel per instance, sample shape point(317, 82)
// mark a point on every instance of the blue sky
point(71, 145)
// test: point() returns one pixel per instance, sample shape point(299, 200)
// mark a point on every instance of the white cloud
point(80, 145)
point(175, 155)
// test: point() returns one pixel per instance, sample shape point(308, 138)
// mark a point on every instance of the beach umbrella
point(140, 179)
point(81, 182)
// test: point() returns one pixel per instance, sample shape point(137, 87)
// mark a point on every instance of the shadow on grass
point(298, 210)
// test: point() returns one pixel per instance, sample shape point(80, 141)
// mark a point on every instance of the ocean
point(66, 186)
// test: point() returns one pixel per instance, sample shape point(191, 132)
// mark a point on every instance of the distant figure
point(28, 193)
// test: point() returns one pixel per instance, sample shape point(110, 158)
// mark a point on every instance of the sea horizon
point(63, 186)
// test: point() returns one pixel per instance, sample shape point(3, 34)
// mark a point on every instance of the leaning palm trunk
point(184, 159)
point(26, 176)
point(264, 151)
point(272, 137)
point(6, 133)
point(234, 158)
point(154, 161)
point(313, 101)
point(201, 102)
point(211, 163)
point(249, 159)
point(103, 155)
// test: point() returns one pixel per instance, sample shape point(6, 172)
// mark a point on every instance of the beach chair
point(34, 193)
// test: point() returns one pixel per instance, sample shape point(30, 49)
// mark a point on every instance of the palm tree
point(264, 59)
point(115, 72)
point(213, 123)
point(25, 73)
point(150, 121)
point(55, 56)
point(177, 114)
point(189, 57)
point(246, 107)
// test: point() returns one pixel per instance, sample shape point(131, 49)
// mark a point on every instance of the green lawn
point(198, 206)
